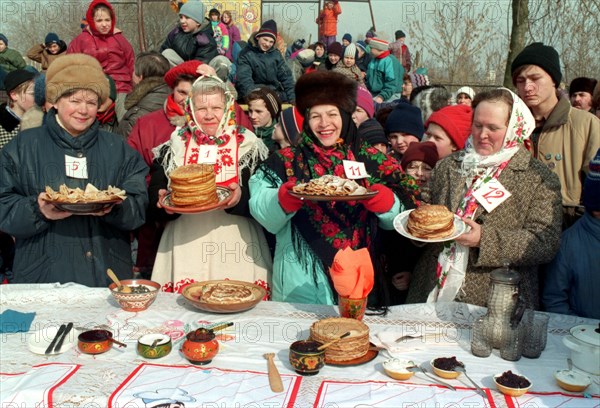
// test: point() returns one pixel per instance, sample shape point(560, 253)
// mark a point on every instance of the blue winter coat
point(256, 68)
point(573, 277)
point(81, 247)
point(199, 45)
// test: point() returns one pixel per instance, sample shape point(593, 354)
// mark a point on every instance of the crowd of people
point(272, 118)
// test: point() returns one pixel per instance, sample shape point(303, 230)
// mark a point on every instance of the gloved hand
point(288, 202)
point(381, 202)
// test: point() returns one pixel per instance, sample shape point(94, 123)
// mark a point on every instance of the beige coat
point(524, 230)
point(569, 140)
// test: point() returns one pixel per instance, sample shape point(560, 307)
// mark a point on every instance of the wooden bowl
point(94, 341)
point(192, 293)
point(449, 375)
point(135, 302)
point(571, 380)
point(512, 392)
point(305, 358)
point(396, 369)
point(163, 346)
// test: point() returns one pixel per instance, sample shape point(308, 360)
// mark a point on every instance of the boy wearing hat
point(580, 93)
point(400, 50)
point(192, 39)
point(261, 64)
point(449, 128)
point(404, 125)
point(52, 48)
point(373, 133)
point(19, 88)
point(10, 59)
point(384, 73)
point(572, 278)
point(327, 22)
point(565, 138)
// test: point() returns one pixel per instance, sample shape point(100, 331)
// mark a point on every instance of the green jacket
point(384, 77)
point(11, 60)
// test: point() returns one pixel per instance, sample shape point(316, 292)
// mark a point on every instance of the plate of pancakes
point(223, 194)
point(224, 296)
point(429, 223)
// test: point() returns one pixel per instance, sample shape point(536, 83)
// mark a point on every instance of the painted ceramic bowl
point(142, 296)
point(305, 358)
point(573, 381)
point(443, 372)
point(162, 345)
point(397, 369)
point(94, 341)
point(200, 346)
point(517, 385)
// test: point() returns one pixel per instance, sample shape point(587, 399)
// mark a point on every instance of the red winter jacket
point(112, 50)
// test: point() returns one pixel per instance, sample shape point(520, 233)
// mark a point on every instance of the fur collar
point(146, 86)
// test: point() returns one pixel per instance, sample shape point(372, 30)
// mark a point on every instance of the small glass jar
point(480, 342)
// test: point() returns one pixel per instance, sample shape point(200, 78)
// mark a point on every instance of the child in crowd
point(234, 32)
point(365, 109)
point(465, 95)
point(449, 128)
point(334, 54)
point(220, 31)
point(320, 54)
point(19, 88)
point(404, 126)
point(348, 65)
point(10, 59)
point(52, 48)
point(191, 39)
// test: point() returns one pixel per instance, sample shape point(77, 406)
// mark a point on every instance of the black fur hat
point(325, 88)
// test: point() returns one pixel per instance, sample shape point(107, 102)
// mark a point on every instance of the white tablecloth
point(269, 327)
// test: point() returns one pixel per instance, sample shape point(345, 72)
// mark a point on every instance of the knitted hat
point(51, 38)
point(405, 118)
point(371, 33)
point(112, 93)
point(269, 97)
point(291, 124)
point(419, 80)
point(325, 88)
point(350, 51)
point(16, 78)
point(456, 120)
point(582, 84)
point(362, 45)
point(347, 37)
point(268, 29)
point(544, 56)
point(306, 57)
point(372, 132)
point(193, 9)
point(364, 99)
point(75, 71)
point(3, 38)
point(187, 67)
point(39, 89)
point(379, 44)
point(425, 152)
point(222, 66)
point(591, 187)
point(466, 90)
point(335, 48)
point(399, 34)
point(298, 44)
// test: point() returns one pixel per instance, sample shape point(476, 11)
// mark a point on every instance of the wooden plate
point(312, 197)
point(192, 289)
point(223, 194)
point(87, 207)
point(371, 354)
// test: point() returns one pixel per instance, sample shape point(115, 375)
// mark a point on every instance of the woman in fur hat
point(53, 245)
point(310, 233)
point(225, 243)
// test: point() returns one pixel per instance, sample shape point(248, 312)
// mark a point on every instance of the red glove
point(288, 202)
point(381, 202)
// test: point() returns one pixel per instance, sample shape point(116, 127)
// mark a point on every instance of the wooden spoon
point(117, 342)
point(120, 287)
point(324, 346)
point(274, 376)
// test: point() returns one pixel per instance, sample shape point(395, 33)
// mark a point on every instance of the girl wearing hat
point(264, 107)
point(103, 41)
point(334, 54)
point(348, 66)
point(310, 233)
point(224, 243)
point(465, 95)
point(53, 245)
point(510, 201)
point(52, 48)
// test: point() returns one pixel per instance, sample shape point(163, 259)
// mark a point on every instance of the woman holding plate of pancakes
point(309, 233)
point(225, 243)
point(510, 201)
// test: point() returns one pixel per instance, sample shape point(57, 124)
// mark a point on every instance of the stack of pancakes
point(430, 222)
point(354, 346)
point(194, 185)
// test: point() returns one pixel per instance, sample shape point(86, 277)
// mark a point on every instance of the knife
point(62, 338)
point(61, 329)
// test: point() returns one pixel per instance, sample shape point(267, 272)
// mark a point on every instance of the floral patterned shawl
point(452, 261)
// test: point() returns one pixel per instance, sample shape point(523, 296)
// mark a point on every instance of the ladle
point(120, 287)
point(324, 346)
